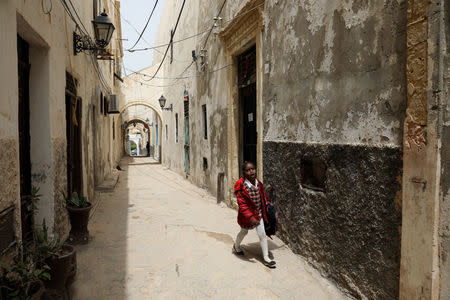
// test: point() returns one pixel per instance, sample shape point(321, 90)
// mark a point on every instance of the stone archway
point(158, 127)
point(149, 105)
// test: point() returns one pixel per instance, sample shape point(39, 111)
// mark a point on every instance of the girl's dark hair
point(245, 165)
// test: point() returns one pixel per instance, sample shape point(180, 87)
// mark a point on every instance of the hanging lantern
point(103, 29)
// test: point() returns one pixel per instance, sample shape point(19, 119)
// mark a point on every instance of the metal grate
point(186, 108)
point(247, 67)
point(71, 84)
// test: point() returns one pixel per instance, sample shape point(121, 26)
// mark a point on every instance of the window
point(171, 45)
point(114, 130)
point(95, 8)
point(105, 106)
point(205, 124)
point(101, 103)
point(313, 174)
point(176, 128)
point(167, 132)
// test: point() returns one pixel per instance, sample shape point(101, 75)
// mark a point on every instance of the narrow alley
point(135, 134)
point(157, 236)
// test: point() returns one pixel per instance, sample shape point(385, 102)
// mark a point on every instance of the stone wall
point(209, 90)
point(444, 226)
point(334, 104)
point(49, 36)
point(10, 180)
point(349, 227)
point(61, 218)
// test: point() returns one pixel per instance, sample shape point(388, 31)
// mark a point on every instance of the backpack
point(272, 219)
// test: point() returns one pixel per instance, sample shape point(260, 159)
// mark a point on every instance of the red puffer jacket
point(247, 209)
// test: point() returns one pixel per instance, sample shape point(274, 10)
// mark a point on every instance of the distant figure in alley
point(252, 213)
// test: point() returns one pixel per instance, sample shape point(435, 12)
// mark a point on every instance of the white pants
point(260, 230)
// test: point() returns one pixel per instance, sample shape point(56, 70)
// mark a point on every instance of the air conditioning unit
point(113, 105)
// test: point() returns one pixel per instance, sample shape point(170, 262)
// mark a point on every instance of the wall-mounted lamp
point(103, 30)
point(162, 102)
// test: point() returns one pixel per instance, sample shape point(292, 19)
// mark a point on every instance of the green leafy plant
point(45, 246)
point(76, 200)
point(22, 279)
point(34, 198)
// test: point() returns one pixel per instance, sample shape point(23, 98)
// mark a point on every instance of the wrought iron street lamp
point(103, 31)
point(162, 102)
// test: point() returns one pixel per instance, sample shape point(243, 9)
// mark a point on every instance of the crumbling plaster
point(51, 55)
point(345, 58)
point(335, 92)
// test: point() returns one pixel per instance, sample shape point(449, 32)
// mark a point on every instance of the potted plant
point(23, 280)
point(57, 256)
point(78, 208)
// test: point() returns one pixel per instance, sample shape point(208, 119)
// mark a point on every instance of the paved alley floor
point(157, 236)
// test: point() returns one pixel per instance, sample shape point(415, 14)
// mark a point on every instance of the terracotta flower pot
point(60, 269)
point(38, 290)
point(79, 218)
point(73, 269)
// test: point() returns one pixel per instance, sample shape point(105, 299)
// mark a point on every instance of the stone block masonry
point(350, 226)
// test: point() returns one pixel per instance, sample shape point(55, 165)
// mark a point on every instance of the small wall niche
point(313, 174)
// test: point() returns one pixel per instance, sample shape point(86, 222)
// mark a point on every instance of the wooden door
point(248, 97)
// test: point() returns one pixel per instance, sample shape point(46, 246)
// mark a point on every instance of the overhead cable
point(197, 34)
point(212, 27)
point(80, 26)
point(145, 27)
point(171, 39)
point(182, 77)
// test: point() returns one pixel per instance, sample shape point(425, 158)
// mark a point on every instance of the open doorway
point(73, 134)
point(247, 106)
point(23, 55)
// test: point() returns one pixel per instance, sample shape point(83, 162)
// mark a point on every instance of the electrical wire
point(145, 27)
point(178, 78)
point(168, 44)
point(79, 19)
point(171, 39)
point(48, 11)
point(80, 26)
point(214, 24)
point(67, 9)
point(197, 34)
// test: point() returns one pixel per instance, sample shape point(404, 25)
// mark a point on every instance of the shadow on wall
point(339, 206)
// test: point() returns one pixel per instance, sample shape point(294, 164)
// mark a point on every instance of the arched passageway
point(141, 129)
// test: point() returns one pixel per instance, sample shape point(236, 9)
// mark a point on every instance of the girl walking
point(252, 214)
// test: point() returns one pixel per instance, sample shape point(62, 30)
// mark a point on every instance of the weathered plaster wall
point(51, 55)
point(348, 57)
point(350, 230)
point(141, 102)
point(9, 157)
point(444, 214)
point(208, 86)
point(335, 93)
point(173, 90)
point(424, 149)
